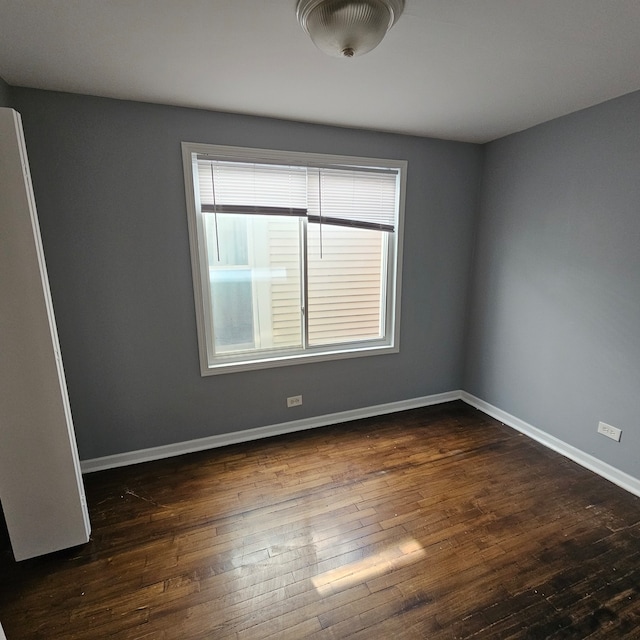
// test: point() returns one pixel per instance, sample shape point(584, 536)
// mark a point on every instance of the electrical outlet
point(294, 401)
point(609, 431)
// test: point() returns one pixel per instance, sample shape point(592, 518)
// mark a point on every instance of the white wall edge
point(224, 439)
point(620, 478)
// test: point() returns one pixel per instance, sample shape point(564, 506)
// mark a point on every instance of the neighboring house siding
point(345, 285)
point(283, 254)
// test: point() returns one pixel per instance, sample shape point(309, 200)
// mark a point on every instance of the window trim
point(284, 357)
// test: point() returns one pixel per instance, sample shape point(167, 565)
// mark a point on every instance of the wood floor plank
point(433, 523)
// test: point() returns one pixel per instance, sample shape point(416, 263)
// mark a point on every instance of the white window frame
point(199, 265)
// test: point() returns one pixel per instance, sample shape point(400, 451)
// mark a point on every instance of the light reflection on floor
point(406, 552)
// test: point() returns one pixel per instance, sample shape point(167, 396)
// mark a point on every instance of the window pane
point(254, 271)
point(232, 307)
point(345, 284)
point(227, 240)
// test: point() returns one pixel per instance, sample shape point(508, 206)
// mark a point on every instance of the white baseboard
point(224, 439)
point(586, 460)
point(620, 478)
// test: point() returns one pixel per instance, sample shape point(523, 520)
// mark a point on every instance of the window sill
point(281, 360)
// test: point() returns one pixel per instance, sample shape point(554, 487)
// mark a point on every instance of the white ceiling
point(471, 70)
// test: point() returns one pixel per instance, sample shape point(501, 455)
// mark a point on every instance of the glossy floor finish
point(435, 523)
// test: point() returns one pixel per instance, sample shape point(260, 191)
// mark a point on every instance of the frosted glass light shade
point(347, 28)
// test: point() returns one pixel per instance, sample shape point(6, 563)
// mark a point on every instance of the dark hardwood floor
point(435, 523)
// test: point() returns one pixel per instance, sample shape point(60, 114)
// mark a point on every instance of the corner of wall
point(609, 472)
point(5, 94)
point(471, 281)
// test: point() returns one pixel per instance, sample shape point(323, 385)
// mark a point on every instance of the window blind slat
point(349, 222)
point(253, 210)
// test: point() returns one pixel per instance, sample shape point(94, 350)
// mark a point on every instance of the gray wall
point(554, 326)
point(108, 180)
point(4, 94)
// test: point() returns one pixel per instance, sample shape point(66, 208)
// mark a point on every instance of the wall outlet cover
point(294, 401)
point(611, 432)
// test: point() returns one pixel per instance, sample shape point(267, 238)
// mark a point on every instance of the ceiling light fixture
point(348, 28)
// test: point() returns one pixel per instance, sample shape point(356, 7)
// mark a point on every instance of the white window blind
point(363, 198)
point(236, 187)
point(355, 197)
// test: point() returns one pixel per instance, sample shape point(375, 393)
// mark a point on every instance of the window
point(295, 256)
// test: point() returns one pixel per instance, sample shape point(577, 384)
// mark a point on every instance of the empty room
point(319, 319)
